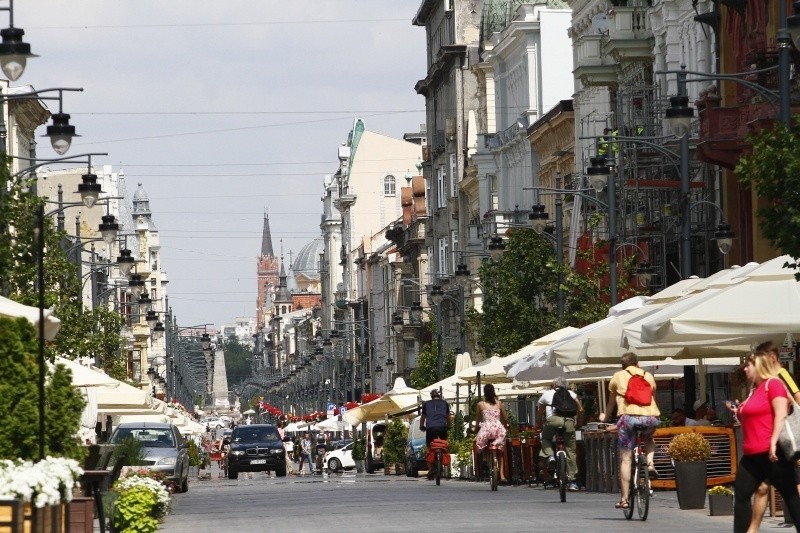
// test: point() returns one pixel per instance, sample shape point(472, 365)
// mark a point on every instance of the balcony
point(593, 67)
point(630, 37)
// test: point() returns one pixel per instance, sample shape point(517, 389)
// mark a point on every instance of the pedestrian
point(305, 453)
point(288, 445)
point(679, 418)
point(632, 391)
point(559, 407)
point(435, 420)
point(761, 497)
point(491, 415)
point(762, 415)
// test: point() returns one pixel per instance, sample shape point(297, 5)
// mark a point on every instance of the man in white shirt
point(548, 413)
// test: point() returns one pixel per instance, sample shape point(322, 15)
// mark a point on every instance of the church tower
point(268, 272)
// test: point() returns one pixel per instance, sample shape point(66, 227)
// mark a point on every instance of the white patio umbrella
point(400, 397)
point(85, 376)
point(332, 423)
point(763, 305)
point(463, 361)
point(12, 309)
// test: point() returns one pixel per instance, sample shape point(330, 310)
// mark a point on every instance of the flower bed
point(48, 482)
point(142, 499)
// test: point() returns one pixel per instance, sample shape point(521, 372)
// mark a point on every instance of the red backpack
point(639, 391)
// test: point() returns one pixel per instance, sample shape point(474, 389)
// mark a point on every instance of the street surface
point(379, 503)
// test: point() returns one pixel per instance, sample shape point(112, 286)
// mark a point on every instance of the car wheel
point(281, 472)
point(370, 467)
point(233, 474)
point(334, 465)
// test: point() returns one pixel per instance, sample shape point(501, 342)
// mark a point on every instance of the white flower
point(134, 480)
point(48, 482)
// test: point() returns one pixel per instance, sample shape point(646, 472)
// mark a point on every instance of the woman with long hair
point(762, 415)
point(492, 416)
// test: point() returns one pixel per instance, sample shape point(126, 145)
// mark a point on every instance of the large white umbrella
point(332, 423)
point(399, 398)
point(463, 361)
point(125, 399)
point(764, 305)
point(12, 309)
point(85, 376)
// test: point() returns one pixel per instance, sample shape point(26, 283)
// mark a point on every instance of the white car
point(339, 459)
point(213, 423)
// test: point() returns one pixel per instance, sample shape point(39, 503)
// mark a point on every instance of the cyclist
point(435, 420)
point(624, 389)
point(560, 407)
point(492, 416)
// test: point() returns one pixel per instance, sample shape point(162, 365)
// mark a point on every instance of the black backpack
point(563, 403)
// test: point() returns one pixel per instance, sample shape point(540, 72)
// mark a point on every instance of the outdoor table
point(92, 480)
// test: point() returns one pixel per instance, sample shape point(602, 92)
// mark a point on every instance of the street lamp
point(60, 131)
point(14, 53)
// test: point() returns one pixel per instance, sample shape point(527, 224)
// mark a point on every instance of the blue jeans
point(304, 456)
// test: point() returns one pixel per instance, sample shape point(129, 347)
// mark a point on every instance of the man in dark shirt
point(435, 417)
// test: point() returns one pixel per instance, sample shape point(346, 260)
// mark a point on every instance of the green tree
point(19, 396)
point(238, 360)
point(519, 291)
point(94, 333)
point(426, 371)
point(773, 171)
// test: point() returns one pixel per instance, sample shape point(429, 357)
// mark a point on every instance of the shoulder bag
point(789, 437)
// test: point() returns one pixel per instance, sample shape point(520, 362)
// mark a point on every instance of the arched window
point(388, 185)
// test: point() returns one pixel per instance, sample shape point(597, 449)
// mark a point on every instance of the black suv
point(256, 448)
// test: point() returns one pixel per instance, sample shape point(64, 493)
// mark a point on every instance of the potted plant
point(194, 458)
point(689, 452)
point(359, 453)
point(720, 501)
point(463, 453)
point(394, 447)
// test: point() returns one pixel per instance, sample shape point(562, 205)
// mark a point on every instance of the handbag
point(789, 437)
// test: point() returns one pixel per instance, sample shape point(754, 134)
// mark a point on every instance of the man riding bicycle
point(435, 420)
point(559, 407)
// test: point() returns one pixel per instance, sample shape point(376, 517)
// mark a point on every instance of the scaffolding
point(646, 163)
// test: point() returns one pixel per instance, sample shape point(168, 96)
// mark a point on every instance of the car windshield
point(149, 437)
point(256, 434)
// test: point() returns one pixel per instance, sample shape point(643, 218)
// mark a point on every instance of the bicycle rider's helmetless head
point(436, 393)
point(559, 382)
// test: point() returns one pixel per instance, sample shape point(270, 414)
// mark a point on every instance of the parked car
point(164, 449)
point(213, 422)
point(375, 435)
point(416, 450)
point(256, 448)
point(339, 459)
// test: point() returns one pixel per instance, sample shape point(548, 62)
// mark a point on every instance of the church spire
point(266, 238)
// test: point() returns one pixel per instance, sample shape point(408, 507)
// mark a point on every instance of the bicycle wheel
point(495, 476)
point(643, 489)
point(631, 491)
point(561, 472)
point(437, 468)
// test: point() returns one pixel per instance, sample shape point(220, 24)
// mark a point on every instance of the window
point(441, 180)
point(444, 255)
point(453, 174)
point(410, 346)
point(389, 185)
point(453, 248)
point(493, 196)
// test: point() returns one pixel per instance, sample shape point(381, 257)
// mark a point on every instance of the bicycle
point(439, 447)
point(639, 492)
point(561, 463)
point(493, 464)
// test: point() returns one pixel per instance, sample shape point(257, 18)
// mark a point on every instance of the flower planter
point(690, 484)
point(720, 504)
point(359, 465)
point(81, 515)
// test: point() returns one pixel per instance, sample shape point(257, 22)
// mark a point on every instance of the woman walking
point(762, 415)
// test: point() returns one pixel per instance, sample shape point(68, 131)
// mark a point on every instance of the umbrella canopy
point(125, 399)
point(85, 376)
point(400, 397)
point(12, 309)
point(491, 371)
point(332, 423)
point(463, 361)
point(763, 305)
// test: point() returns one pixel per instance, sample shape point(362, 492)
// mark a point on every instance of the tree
point(19, 394)
point(426, 371)
point(773, 171)
point(519, 291)
point(238, 360)
point(93, 333)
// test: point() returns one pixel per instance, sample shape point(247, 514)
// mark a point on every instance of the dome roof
point(306, 262)
point(140, 195)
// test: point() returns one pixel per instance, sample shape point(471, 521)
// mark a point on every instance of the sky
point(224, 111)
